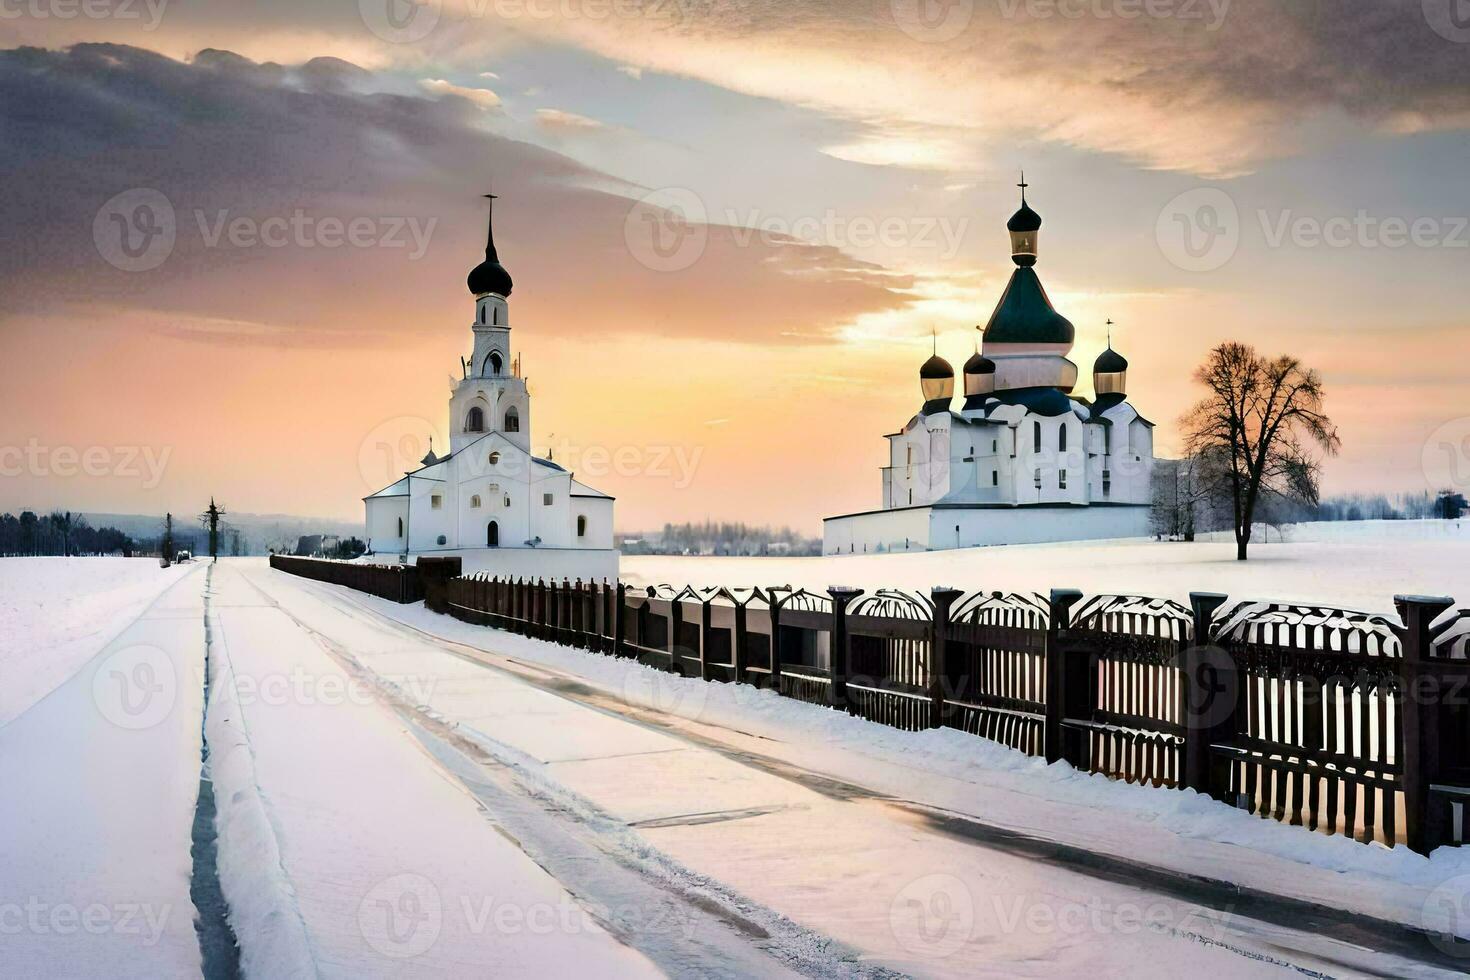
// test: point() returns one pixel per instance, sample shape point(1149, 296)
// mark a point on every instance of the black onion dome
point(936, 367)
point(489, 276)
point(1110, 362)
point(979, 364)
point(1024, 219)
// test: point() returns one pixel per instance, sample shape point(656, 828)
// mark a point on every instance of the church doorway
point(492, 535)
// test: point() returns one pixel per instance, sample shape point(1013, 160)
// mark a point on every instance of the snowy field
point(1357, 565)
point(56, 613)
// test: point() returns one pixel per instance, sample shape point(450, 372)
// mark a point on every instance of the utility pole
point(210, 518)
point(167, 546)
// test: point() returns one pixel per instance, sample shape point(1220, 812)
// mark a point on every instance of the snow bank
point(262, 903)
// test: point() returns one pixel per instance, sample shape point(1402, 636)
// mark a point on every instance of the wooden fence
point(398, 583)
point(1339, 721)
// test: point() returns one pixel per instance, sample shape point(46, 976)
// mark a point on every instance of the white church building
point(491, 500)
point(1021, 459)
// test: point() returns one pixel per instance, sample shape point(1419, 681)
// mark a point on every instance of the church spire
point(490, 276)
point(1023, 226)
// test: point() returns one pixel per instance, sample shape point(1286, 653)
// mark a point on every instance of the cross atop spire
point(1110, 333)
point(1023, 185)
point(490, 229)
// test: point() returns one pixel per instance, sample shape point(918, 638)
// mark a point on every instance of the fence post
point(1210, 688)
point(737, 641)
point(620, 613)
point(939, 683)
point(775, 604)
point(579, 618)
point(1058, 667)
point(841, 596)
point(1421, 696)
point(705, 628)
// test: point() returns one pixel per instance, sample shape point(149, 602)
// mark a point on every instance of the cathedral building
point(1021, 458)
point(490, 499)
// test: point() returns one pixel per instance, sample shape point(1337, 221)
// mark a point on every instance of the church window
point(1062, 479)
point(493, 363)
point(400, 527)
point(436, 501)
point(1037, 479)
point(474, 420)
point(995, 478)
point(546, 499)
point(494, 458)
point(581, 526)
point(441, 539)
point(1062, 439)
point(512, 420)
point(994, 445)
point(475, 500)
point(911, 496)
point(1036, 434)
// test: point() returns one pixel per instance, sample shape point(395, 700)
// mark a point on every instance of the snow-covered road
point(458, 786)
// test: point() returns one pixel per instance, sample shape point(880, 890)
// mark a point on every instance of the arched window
point(494, 458)
point(492, 364)
point(475, 500)
point(492, 535)
point(512, 420)
point(400, 527)
point(1036, 434)
point(581, 526)
point(1062, 439)
point(474, 420)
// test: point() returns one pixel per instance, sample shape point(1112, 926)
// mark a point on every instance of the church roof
point(1025, 315)
point(1110, 362)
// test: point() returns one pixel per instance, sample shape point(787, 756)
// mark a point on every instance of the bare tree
point(1260, 419)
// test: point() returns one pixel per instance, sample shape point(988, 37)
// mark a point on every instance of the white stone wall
point(935, 528)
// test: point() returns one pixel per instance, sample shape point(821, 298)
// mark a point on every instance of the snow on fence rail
point(1342, 722)
point(398, 583)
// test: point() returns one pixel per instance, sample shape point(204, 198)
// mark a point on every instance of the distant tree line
point(719, 538)
point(60, 533)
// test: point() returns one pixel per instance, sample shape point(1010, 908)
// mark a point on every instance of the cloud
point(307, 208)
point(557, 119)
point(482, 97)
point(632, 71)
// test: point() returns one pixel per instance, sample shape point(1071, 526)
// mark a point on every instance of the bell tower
point(492, 397)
